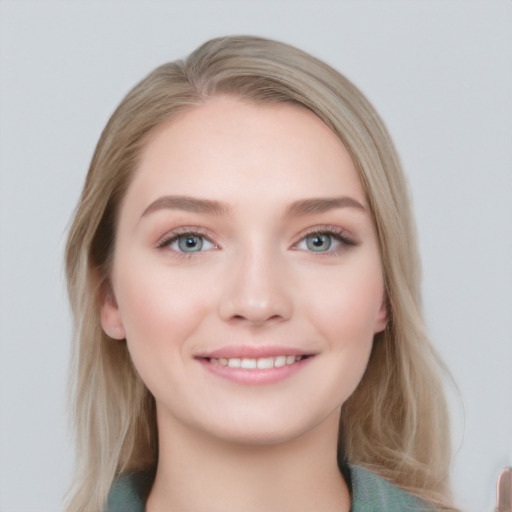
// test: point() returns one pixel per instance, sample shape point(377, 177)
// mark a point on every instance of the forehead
point(229, 147)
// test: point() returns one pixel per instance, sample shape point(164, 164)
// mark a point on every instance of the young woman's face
point(246, 274)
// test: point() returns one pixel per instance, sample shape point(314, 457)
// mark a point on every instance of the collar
point(370, 493)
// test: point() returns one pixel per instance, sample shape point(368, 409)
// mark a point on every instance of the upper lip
point(253, 352)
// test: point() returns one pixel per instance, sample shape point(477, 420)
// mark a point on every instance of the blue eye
point(189, 243)
point(325, 241)
point(319, 242)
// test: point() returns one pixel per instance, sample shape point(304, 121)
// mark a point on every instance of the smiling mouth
point(254, 366)
point(261, 363)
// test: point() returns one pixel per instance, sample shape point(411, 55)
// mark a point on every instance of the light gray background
point(439, 72)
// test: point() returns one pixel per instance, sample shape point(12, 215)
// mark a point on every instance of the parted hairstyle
point(395, 423)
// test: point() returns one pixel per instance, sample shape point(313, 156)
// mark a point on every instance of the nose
point(257, 291)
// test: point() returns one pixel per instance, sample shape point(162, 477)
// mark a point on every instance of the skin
point(257, 281)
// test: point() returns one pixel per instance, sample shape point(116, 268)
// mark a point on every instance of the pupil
point(319, 242)
point(189, 243)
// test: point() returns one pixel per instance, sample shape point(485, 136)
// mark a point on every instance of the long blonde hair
point(395, 423)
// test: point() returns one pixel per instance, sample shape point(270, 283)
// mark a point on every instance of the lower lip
point(255, 377)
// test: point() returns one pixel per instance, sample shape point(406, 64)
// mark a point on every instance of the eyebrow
point(298, 208)
point(321, 205)
point(188, 204)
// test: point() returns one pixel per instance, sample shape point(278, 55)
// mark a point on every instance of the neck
point(197, 473)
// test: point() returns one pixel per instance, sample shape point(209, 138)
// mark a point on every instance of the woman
point(245, 282)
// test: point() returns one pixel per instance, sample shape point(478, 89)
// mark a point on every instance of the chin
point(259, 431)
point(265, 436)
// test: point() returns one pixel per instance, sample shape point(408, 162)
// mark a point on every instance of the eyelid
point(342, 235)
point(173, 234)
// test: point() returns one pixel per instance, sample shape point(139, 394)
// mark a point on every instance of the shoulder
point(129, 492)
point(371, 493)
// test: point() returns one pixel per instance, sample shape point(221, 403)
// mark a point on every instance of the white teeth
point(263, 363)
point(280, 361)
point(234, 363)
point(248, 364)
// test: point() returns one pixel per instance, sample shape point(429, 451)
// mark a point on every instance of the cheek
point(347, 308)
point(159, 310)
point(345, 316)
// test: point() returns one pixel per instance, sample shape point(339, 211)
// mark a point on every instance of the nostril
point(243, 305)
point(255, 319)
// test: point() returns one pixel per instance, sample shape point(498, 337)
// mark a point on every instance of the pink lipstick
point(246, 364)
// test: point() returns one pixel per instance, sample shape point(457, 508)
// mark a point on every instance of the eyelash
point(339, 235)
point(173, 236)
point(336, 233)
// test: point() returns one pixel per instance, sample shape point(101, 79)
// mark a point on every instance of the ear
point(381, 320)
point(109, 314)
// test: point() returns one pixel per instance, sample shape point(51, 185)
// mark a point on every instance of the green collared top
point(370, 493)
